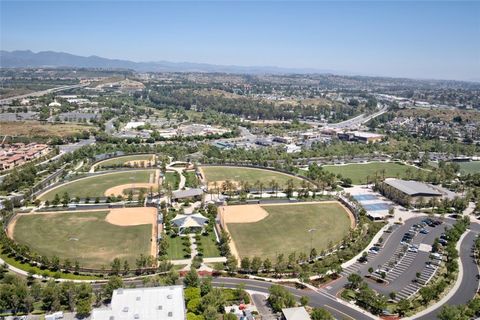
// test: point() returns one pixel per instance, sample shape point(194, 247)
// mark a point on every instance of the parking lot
point(403, 263)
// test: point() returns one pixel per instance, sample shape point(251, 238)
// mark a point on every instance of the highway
point(356, 122)
point(42, 93)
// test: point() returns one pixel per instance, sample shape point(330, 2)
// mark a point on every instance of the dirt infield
point(135, 216)
point(119, 190)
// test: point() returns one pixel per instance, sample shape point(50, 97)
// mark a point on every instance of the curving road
point(469, 283)
point(338, 308)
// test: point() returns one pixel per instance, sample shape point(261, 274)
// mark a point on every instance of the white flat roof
point(144, 304)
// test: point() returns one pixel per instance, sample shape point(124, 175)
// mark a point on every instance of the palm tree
point(261, 185)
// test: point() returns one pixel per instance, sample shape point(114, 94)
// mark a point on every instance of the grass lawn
point(40, 129)
point(209, 245)
point(191, 180)
point(250, 175)
point(97, 185)
point(99, 242)
point(175, 248)
point(173, 179)
point(284, 230)
point(36, 270)
point(122, 160)
point(359, 172)
point(469, 167)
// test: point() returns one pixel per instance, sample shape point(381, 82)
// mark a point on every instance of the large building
point(414, 190)
point(166, 303)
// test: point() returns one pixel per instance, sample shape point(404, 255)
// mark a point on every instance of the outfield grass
point(469, 167)
point(124, 159)
point(175, 248)
point(250, 175)
point(285, 230)
point(99, 242)
point(359, 172)
point(97, 185)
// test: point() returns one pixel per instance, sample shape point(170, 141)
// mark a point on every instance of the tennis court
point(363, 197)
point(379, 206)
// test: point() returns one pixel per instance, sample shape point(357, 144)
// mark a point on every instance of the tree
point(191, 279)
point(354, 281)
point(280, 298)
point(116, 266)
point(206, 286)
point(84, 307)
point(402, 307)
point(256, 264)
point(245, 264)
point(321, 314)
point(114, 282)
point(304, 300)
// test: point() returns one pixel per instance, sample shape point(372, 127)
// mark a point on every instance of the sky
point(417, 39)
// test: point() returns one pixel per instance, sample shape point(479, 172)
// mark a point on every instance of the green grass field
point(97, 185)
point(284, 230)
point(359, 172)
point(173, 179)
point(175, 248)
point(470, 167)
point(99, 242)
point(250, 175)
point(121, 160)
point(209, 245)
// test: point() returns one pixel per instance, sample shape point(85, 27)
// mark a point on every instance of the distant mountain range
point(27, 58)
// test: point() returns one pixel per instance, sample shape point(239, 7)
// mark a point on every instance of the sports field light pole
point(311, 237)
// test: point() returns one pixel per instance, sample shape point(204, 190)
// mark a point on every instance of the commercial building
point(414, 191)
point(166, 303)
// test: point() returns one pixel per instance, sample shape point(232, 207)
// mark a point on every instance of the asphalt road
point(317, 299)
point(469, 284)
point(42, 93)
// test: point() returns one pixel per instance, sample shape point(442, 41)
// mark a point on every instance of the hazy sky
point(422, 39)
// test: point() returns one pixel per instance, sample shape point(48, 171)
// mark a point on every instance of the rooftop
point(298, 313)
point(412, 188)
point(187, 193)
point(144, 303)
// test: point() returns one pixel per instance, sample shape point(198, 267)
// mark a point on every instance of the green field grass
point(175, 248)
point(121, 160)
point(191, 180)
point(173, 179)
point(359, 172)
point(99, 242)
point(97, 185)
point(250, 175)
point(469, 167)
point(209, 245)
point(284, 230)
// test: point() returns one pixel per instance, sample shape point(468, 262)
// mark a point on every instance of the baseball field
point(94, 238)
point(132, 160)
point(358, 172)
point(104, 185)
point(268, 230)
point(250, 175)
